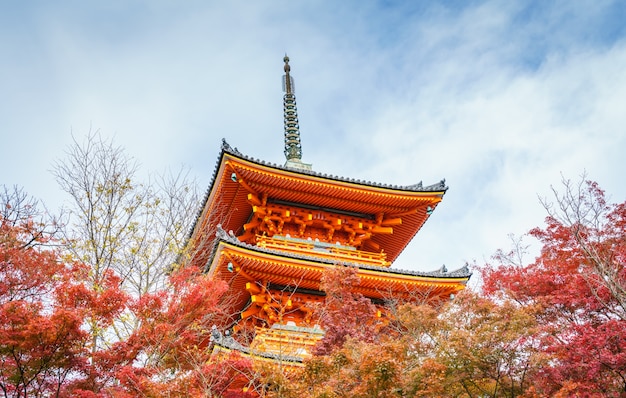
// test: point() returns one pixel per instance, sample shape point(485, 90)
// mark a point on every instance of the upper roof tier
point(239, 181)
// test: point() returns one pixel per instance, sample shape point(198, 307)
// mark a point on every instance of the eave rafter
point(392, 215)
point(265, 268)
point(270, 220)
point(271, 306)
point(269, 216)
point(260, 178)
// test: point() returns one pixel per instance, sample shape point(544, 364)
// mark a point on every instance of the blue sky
point(500, 98)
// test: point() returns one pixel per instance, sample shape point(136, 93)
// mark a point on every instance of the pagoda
point(270, 232)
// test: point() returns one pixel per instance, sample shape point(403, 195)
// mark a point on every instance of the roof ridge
point(418, 187)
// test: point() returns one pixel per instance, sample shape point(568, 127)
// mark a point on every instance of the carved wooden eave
point(243, 189)
point(245, 266)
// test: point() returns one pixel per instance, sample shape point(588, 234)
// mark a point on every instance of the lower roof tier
point(239, 264)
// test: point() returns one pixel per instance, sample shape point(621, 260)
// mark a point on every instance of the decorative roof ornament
point(293, 147)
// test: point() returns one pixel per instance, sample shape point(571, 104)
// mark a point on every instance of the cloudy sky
point(500, 98)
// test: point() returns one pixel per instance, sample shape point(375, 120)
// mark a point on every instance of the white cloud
point(497, 98)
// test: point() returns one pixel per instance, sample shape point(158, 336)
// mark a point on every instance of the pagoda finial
point(293, 148)
point(288, 81)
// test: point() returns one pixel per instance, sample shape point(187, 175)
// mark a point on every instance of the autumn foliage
point(50, 313)
point(470, 347)
point(577, 290)
point(44, 347)
point(173, 341)
point(553, 326)
point(345, 314)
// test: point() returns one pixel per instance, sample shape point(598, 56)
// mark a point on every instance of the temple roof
point(237, 175)
point(417, 187)
point(238, 263)
point(228, 237)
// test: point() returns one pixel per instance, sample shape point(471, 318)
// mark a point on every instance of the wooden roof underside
point(250, 264)
point(236, 176)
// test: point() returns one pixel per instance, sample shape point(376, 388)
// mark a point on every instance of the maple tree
point(469, 347)
point(173, 342)
point(158, 342)
point(344, 313)
point(43, 307)
point(49, 308)
point(577, 286)
point(473, 346)
point(118, 226)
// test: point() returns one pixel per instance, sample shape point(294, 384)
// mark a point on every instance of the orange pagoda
point(270, 232)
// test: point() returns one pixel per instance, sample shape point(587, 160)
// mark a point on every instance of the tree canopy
point(96, 305)
point(576, 288)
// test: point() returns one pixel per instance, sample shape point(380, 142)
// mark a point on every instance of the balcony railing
point(322, 249)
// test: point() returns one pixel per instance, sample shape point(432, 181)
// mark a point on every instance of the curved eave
point(297, 187)
point(250, 263)
point(226, 202)
point(440, 186)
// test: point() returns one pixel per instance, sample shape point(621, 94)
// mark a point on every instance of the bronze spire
point(293, 148)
